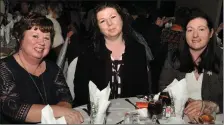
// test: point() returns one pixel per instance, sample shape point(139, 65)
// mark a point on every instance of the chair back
point(70, 76)
point(61, 57)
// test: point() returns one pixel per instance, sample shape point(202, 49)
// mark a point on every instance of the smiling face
point(35, 43)
point(109, 22)
point(198, 34)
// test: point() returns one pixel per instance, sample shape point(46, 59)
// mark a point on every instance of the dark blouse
point(18, 91)
point(116, 83)
point(97, 67)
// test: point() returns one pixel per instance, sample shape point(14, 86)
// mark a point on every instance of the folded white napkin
point(143, 112)
point(178, 91)
point(99, 102)
point(47, 117)
point(156, 97)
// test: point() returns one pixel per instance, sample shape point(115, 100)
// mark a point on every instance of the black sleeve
point(219, 88)
point(168, 74)
point(146, 74)
point(11, 106)
point(62, 89)
point(81, 80)
point(141, 73)
point(220, 79)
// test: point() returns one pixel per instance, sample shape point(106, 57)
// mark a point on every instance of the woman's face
point(198, 34)
point(36, 43)
point(109, 22)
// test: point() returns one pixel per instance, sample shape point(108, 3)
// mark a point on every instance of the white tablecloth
point(119, 107)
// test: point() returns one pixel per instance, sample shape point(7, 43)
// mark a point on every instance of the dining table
point(118, 107)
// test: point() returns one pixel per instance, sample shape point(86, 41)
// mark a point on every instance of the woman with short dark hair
point(201, 63)
point(28, 82)
point(115, 57)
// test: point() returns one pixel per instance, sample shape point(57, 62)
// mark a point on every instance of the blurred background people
point(54, 12)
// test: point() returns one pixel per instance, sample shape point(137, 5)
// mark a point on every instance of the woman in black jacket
point(201, 63)
point(115, 57)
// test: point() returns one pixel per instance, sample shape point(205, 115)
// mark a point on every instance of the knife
point(157, 121)
point(120, 122)
point(131, 103)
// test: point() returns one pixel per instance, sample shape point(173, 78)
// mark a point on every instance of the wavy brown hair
point(210, 58)
point(97, 36)
point(36, 20)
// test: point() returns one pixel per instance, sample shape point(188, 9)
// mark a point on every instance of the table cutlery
point(157, 121)
point(84, 109)
point(120, 122)
point(131, 103)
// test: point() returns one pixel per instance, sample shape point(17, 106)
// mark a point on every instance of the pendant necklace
point(35, 84)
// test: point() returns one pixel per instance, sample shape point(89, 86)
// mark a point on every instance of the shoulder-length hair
point(210, 57)
point(36, 20)
point(97, 36)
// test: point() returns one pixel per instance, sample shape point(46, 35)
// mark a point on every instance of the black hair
point(32, 20)
point(181, 15)
point(98, 37)
point(210, 57)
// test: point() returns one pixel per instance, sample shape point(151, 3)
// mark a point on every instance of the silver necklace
point(45, 94)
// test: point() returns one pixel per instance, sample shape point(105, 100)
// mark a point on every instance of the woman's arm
point(34, 114)
point(63, 93)
point(18, 111)
point(64, 104)
point(81, 79)
point(220, 77)
point(12, 108)
point(219, 100)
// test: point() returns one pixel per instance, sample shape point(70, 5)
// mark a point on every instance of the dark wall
point(167, 8)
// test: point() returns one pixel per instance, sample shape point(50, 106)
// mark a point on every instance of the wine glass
point(165, 97)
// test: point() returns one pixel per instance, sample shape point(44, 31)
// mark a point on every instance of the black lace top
point(18, 92)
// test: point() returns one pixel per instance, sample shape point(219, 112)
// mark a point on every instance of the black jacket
point(96, 67)
point(212, 84)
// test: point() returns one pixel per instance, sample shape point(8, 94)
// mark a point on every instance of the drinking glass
point(208, 114)
point(131, 118)
point(155, 110)
point(93, 111)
